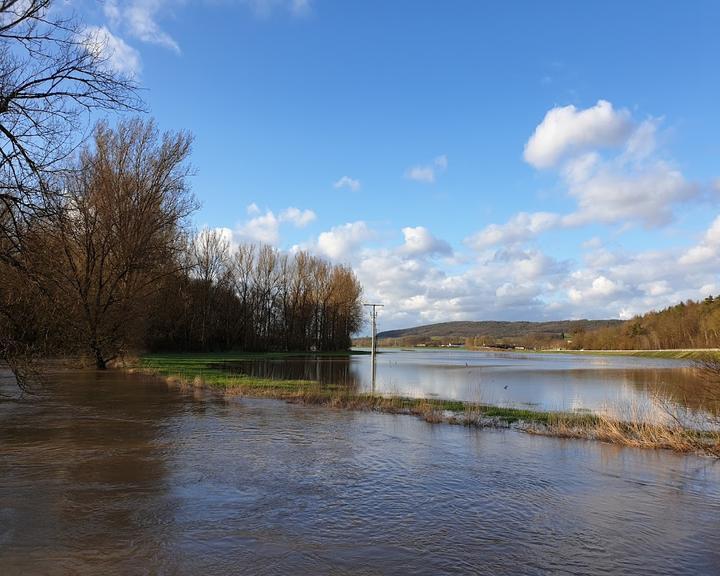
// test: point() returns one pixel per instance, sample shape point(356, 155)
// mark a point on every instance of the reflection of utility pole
point(373, 348)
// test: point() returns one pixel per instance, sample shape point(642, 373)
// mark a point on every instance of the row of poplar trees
point(256, 298)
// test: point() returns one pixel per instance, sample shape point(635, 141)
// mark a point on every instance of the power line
point(373, 348)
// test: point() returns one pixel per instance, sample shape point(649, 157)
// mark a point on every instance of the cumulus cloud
point(708, 250)
point(608, 165)
point(521, 227)
point(514, 282)
point(347, 182)
point(298, 217)
point(419, 242)
point(645, 194)
point(566, 129)
point(341, 242)
point(623, 284)
point(599, 288)
point(118, 56)
point(427, 172)
point(417, 290)
point(264, 227)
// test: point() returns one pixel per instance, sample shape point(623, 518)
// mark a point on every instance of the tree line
point(97, 254)
point(255, 298)
point(690, 324)
point(114, 266)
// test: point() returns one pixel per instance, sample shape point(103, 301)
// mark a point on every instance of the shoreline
point(206, 371)
point(668, 353)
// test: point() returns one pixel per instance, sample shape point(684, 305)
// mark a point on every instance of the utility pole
point(373, 348)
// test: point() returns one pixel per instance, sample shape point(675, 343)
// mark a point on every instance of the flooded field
point(117, 474)
point(540, 381)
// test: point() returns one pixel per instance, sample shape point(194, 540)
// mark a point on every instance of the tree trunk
point(100, 363)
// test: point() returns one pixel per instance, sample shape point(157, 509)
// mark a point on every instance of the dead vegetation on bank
point(601, 427)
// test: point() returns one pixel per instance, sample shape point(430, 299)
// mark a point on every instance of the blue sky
point(470, 160)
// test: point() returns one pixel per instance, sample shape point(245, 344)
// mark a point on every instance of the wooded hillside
point(488, 332)
point(686, 325)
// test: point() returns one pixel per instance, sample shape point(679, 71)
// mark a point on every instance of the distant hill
point(497, 329)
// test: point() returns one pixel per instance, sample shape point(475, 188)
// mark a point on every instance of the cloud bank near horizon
point(613, 174)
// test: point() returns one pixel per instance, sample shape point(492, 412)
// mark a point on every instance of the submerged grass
point(212, 370)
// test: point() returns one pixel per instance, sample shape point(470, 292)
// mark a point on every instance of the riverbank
point(668, 354)
point(674, 354)
point(216, 371)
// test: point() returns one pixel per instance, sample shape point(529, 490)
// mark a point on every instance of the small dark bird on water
point(505, 386)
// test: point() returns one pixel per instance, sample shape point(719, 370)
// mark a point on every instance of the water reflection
point(111, 474)
point(546, 382)
point(336, 370)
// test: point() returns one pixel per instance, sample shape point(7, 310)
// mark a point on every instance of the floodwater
point(117, 474)
point(520, 380)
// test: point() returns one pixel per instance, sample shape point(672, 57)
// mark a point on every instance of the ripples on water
point(111, 474)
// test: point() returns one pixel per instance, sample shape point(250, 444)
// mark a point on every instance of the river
point(108, 473)
point(565, 382)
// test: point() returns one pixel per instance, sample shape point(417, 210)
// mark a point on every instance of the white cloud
point(658, 288)
point(342, 242)
point(642, 142)
point(567, 129)
point(299, 218)
point(521, 227)
point(264, 228)
point(525, 266)
point(645, 196)
point(139, 19)
point(632, 187)
point(427, 172)
point(419, 241)
point(112, 12)
point(118, 56)
point(512, 282)
point(707, 251)
point(421, 174)
point(347, 182)
point(600, 288)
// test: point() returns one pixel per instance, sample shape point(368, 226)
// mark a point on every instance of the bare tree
point(117, 232)
point(210, 261)
point(53, 73)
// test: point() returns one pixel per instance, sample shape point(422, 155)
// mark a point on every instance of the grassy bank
point(213, 371)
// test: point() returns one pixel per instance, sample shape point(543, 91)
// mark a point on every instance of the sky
point(470, 160)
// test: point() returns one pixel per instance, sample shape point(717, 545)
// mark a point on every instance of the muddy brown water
point(117, 474)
